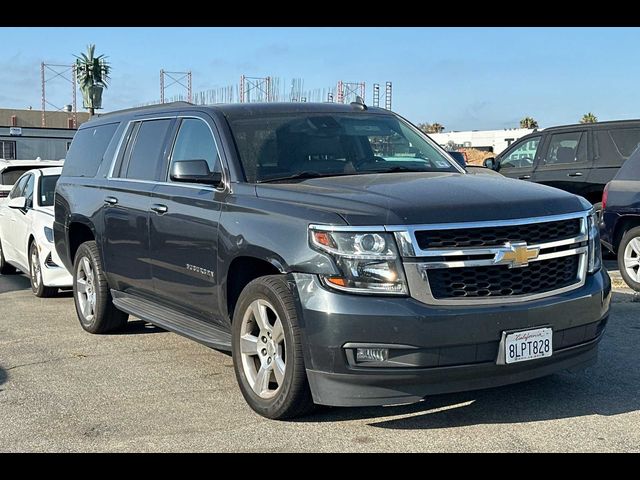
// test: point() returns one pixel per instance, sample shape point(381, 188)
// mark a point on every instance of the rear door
point(184, 226)
point(613, 146)
point(8, 219)
point(565, 163)
point(127, 202)
point(519, 160)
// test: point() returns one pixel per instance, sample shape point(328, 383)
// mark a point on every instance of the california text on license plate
point(528, 344)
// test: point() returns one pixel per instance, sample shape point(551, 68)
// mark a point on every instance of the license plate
point(528, 345)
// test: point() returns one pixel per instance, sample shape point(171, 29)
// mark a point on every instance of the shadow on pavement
point(14, 282)
point(609, 388)
point(137, 327)
point(3, 375)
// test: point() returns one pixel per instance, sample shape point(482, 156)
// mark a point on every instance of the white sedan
point(26, 232)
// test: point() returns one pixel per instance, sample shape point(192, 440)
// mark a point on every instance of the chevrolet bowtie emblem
point(516, 255)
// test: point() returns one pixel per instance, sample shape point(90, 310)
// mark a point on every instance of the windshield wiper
point(300, 175)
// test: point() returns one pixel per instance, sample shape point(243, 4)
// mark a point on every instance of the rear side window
point(626, 139)
point(87, 150)
point(147, 149)
point(631, 168)
point(567, 148)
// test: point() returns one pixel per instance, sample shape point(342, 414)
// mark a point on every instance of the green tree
point(589, 118)
point(528, 122)
point(435, 127)
point(92, 73)
point(424, 127)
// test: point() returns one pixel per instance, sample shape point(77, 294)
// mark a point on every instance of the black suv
point(340, 254)
point(579, 159)
point(620, 225)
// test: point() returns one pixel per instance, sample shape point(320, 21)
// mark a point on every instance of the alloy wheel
point(263, 349)
point(632, 259)
point(85, 285)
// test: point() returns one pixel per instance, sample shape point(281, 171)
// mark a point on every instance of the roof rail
point(147, 107)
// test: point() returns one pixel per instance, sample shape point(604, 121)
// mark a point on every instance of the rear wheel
point(94, 305)
point(267, 350)
point(629, 258)
point(35, 273)
point(5, 268)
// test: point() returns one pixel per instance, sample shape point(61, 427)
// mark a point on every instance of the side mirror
point(490, 162)
point(19, 203)
point(194, 171)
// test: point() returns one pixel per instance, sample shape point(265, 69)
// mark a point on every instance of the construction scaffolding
point(348, 91)
point(386, 96)
point(255, 89)
point(178, 78)
point(49, 72)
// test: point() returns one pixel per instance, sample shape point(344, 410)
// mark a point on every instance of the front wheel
point(91, 295)
point(629, 258)
point(35, 274)
point(267, 350)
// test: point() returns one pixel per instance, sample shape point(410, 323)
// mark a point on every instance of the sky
point(463, 78)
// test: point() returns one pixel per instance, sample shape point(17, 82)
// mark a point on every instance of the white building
point(490, 140)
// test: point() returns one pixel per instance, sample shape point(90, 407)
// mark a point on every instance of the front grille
point(532, 233)
point(502, 281)
point(49, 262)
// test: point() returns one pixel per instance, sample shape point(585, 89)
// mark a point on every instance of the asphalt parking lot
point(145, 389)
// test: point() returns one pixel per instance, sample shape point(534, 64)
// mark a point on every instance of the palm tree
point(424, 127)
point(589, 118)
point(528, 122)
point(435, 127)
point(92, 73)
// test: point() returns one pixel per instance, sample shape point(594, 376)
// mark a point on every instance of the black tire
point(37, 284)
point(630, 235)
point(106, 317)
point(293, 398)
point(5, 268)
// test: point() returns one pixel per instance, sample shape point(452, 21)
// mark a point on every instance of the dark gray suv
point(340, 254)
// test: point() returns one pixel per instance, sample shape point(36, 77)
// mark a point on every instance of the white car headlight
point(368, 261)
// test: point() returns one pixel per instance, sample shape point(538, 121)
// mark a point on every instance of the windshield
point(47, 190)
point(287, 146)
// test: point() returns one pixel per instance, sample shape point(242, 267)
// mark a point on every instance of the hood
point(422, 198)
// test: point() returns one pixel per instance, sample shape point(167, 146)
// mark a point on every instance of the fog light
point(372, 354)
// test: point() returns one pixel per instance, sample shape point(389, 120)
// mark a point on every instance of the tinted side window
point(523, 155)
point(626, 139)
point(87, 150)
point(567, 148)
point(195, 142)
point(18, 188)
point(631, 168)
point(28, 192)
point(145, 154)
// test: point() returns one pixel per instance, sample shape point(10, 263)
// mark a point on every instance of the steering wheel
point(367, 161)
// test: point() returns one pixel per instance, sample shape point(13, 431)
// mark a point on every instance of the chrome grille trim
point(426, 259)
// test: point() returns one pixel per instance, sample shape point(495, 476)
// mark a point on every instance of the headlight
point(368, 261)
point(595, 249)
point(48, 233)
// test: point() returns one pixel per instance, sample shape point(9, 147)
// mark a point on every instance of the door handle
point(110, 200)
point(574, 174)
point(159, 208)
point(524, 177)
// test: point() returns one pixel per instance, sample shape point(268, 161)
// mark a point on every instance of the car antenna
point(359, 103)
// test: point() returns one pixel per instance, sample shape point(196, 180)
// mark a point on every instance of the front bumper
point(437, 349)
point(54, 274)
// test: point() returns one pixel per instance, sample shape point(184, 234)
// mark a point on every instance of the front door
point(127, 204)
point(184, 228)
point(565, 163)
point(519, 160)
